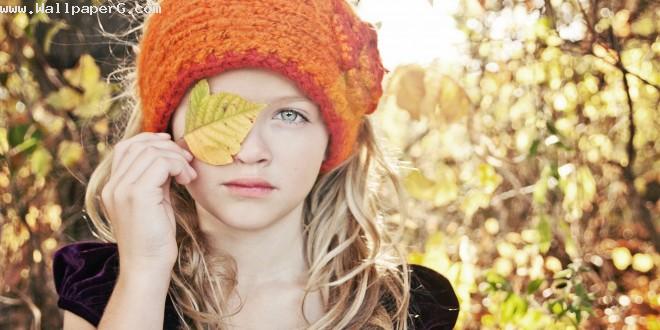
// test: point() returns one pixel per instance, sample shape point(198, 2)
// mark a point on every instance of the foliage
point(534, 176)
point(534, 163)
point(53, 127)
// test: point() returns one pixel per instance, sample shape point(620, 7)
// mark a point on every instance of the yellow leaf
point(69, 153)
point(441, 189)
point(96, 100)
point(488, 177)
point(473, 201)
point(85, 74)
point(96, 96)
point(451, 103)
point(410, 89)
point(64, 99)
point(4, 142)
point(503, 266)
point(419, 186)
point(446, 187)
point(605, 53)
point(41, 162)
point(416, 258)
point(217, 124)
point(553, 264)
point(427, 92)
point(644, 26)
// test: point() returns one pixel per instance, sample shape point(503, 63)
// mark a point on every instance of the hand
point(137, 201)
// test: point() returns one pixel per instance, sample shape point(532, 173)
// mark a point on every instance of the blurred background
point(529, 130)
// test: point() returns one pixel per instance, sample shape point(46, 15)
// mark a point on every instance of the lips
point(250, 183)
point(250, 187)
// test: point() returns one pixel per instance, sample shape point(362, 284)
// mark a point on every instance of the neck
point(268, 255)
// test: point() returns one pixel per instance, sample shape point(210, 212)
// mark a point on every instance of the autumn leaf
point(217, 124)
point(423, 92)
point(95, 99)
point(409, 89)
point(412, 91)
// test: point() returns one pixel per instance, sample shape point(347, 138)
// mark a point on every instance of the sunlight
point(413, 31)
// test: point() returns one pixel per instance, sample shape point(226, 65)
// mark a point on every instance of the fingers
point(153, 155)
point(139, 149)
point(156, 173)
point(122, 147)
point(176, 165)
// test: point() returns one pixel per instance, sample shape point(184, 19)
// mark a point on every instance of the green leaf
point(533, 149)
point(41, 162)
point(534, 285)
point(557, 307)
point(514, 307)
point(23, 138)
point(545, 234)
point(564, 274)
point(16, 134)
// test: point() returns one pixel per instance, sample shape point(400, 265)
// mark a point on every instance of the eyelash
point(296, 112)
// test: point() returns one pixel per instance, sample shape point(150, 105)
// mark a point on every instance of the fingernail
point(188, 155)
point(163, 134)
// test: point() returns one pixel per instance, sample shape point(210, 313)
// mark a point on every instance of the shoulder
point(433, 303)
point(85, 274)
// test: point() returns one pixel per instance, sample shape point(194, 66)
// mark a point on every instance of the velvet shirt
point(85, 274)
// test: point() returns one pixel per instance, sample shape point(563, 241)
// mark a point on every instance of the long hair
point(351, 251)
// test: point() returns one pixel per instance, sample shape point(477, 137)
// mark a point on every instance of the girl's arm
point(75, 322)
point(137, 302)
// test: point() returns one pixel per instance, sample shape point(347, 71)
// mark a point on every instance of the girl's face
point(285, 147)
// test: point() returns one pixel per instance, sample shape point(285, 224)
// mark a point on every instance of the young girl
point(288, 234)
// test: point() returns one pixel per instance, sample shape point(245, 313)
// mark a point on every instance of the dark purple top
point(85, 274)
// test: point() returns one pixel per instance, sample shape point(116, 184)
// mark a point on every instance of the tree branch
point(644, 215)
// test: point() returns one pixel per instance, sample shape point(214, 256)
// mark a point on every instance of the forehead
point(256, 85)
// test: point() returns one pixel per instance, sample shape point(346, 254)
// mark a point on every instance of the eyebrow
point(291, 99)
point(287, 99)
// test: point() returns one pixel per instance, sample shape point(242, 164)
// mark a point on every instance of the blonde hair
point(350, 250)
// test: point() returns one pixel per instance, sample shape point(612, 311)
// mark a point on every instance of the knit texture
point(321, 45)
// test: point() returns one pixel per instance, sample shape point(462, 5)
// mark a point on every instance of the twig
point(628, 173)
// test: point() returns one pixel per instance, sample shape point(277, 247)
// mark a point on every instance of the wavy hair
point(351, 251)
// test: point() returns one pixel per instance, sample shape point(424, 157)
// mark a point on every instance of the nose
point(254, 149)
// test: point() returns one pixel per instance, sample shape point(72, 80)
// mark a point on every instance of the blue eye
point(291, 115)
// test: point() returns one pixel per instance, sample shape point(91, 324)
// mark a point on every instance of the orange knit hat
point(321, 45)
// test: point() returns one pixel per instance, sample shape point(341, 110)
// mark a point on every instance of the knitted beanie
point(321, 45)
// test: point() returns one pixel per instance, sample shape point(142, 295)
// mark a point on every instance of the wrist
point(140, 280)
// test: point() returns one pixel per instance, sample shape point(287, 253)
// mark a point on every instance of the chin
point(243, 218)
point(243, 223)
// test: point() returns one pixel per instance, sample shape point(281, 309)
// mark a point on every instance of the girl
point(289, 233)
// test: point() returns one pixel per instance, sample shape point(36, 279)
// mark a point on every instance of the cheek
point(205, 176)
point(299, 151)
